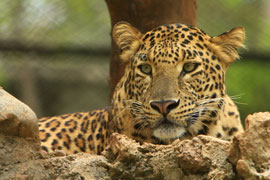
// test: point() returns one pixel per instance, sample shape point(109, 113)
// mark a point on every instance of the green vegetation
point(2, 80)
point(218, 16)
point(2, 77)
point(248, 81)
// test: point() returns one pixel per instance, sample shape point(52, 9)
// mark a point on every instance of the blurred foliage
point(68, 82)
point(2, 78)
point(248, 83)
point(56, 22)
point(218, 16)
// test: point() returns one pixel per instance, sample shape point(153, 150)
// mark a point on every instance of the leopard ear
point(127, 38)
point(225, 46)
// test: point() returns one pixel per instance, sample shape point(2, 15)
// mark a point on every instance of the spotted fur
point(76, 132)
point(173, 88)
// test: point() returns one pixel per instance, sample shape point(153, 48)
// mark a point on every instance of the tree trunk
point(145, 15)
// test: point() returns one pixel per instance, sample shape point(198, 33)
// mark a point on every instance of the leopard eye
point(189, 67)
point(146, 69)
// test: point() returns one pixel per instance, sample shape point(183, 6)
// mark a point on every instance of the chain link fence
point(54, 55)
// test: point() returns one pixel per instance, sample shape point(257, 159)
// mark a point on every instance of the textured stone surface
point(250, 151)
point(52, 166)
point(202, 157)
point(16, 118)
point(15, 150)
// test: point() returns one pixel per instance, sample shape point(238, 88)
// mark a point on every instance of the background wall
point(54, 55)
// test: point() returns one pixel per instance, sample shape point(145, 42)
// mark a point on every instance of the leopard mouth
point(168, 130)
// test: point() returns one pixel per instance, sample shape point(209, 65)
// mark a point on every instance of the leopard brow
point(188, 56)
point(143, 56)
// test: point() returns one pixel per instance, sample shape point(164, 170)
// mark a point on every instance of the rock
point(16, 118)
point(206, 155)
point(250, 151)
point(73, 167)
point(77, 166)
point(15, 150)
point(203, 157)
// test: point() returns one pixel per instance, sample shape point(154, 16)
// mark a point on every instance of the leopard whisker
point(237, 96)
point(242, 103)
point(209, 100)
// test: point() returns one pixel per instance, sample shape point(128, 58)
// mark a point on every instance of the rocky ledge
point(203, 157)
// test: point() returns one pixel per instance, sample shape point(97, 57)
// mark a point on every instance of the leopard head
point(174, 81)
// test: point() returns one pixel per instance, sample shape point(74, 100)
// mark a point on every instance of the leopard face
point(174, 83)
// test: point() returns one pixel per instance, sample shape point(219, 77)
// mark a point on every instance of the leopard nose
point(164, 107)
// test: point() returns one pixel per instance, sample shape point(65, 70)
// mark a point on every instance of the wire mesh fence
point(54, 55)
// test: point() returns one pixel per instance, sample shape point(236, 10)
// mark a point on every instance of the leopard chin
point(169, 131)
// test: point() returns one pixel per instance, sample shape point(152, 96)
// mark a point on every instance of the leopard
point(173, 87)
